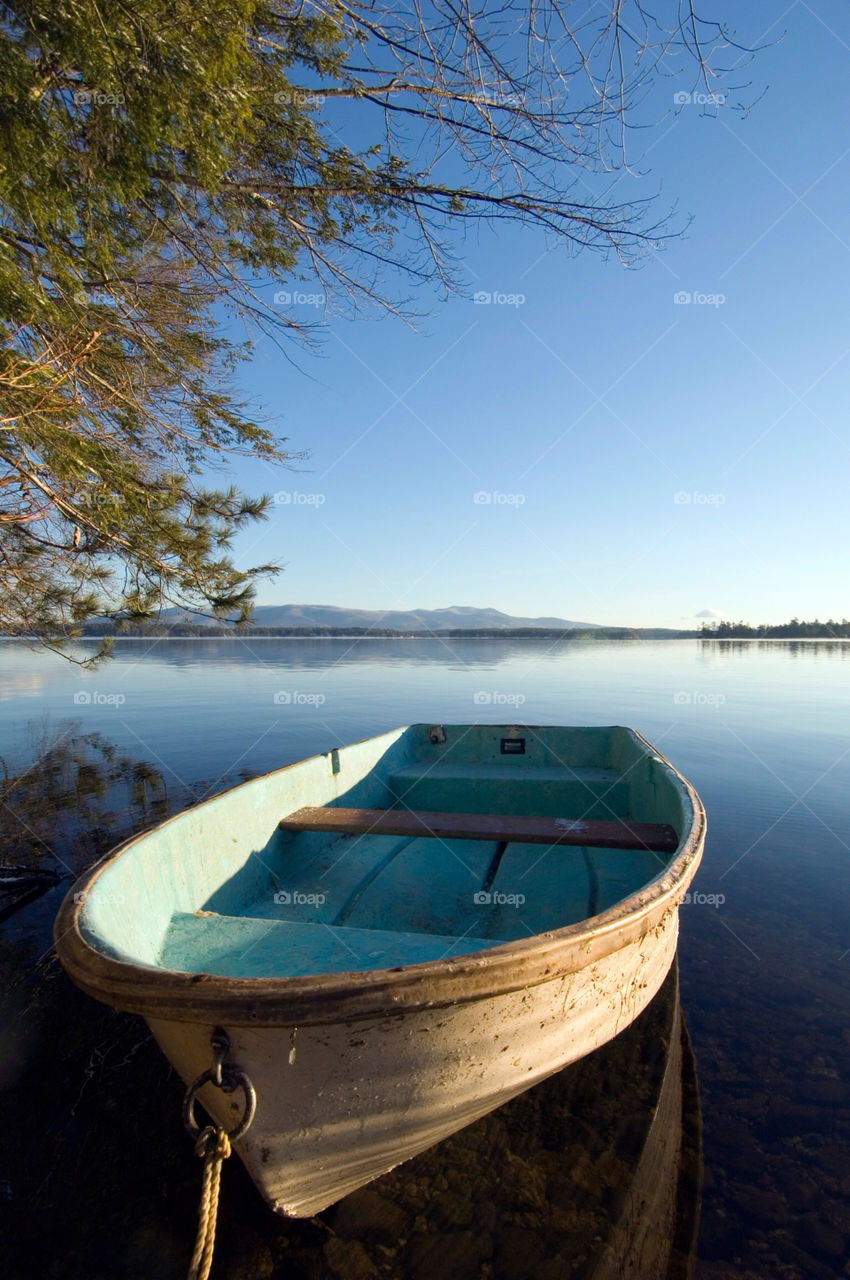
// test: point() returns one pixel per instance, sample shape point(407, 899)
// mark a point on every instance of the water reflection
point(324, 651)
point(794, 648)
point(76, 795)
point(66, 799)
point(592, 1175)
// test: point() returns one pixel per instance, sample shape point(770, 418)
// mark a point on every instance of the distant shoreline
point(183, 632)
point(527, 633)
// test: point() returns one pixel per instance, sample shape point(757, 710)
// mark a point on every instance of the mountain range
point(327, 615)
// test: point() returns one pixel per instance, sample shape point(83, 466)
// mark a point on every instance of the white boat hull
point(382, 1019)
point(341, 1104)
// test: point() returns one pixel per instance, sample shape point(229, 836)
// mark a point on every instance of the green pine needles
point(161, 160)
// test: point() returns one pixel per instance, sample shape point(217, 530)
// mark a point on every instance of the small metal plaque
point(513, 746)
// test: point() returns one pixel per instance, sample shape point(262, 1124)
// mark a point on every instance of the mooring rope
point(213, 1146)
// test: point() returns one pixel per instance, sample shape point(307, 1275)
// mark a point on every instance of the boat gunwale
point(372, 993)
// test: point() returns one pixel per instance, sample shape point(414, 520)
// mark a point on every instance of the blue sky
point(599, 451)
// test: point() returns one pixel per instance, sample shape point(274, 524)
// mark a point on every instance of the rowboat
point(393, 938)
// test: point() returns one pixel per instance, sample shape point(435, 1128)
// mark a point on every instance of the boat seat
point(504, 828)
point(247, 947)
point(510, 786)
point(507, 768)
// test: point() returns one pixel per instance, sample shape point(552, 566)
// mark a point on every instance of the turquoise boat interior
point(221, 889)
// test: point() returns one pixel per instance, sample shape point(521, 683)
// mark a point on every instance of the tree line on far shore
point(795, 629)
point(212, 629)
point(108, 628)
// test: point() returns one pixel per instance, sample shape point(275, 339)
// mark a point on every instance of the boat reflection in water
point(595, 1174)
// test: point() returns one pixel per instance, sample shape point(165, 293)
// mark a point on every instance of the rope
point(213, 1146)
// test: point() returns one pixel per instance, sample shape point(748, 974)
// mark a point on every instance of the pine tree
point(159, 159)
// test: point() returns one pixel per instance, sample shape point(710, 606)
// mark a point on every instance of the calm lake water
point(762, 729)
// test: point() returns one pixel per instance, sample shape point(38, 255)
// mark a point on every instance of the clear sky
point(640, 460)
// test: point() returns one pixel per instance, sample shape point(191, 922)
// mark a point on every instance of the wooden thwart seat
point(485, 826)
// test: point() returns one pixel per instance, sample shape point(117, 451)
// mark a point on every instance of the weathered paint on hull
point(342, 1104)
point(358, 1069)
